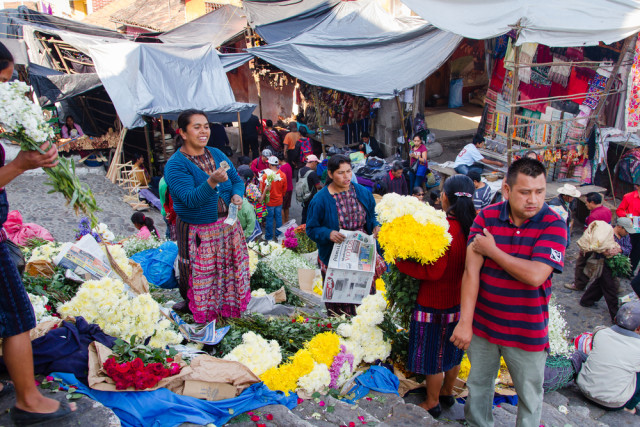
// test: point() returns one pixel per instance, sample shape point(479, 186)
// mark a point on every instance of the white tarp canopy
point(559, 23)
point(361, 49)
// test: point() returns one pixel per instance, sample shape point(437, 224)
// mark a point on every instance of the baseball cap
point(273, 160)
point(627, 224)
point(312, 158)
point(628, 316)
point(267, 153)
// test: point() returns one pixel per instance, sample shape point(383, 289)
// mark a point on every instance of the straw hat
point(569, 190)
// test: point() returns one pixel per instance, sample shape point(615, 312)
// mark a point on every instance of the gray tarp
point(274, 21)
point(159, 79)
point(216, 27)
point(361, 49)
point(53, 86)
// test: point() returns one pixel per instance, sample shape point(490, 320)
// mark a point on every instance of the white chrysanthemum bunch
point(106, 303)
point(393, 206)
point(258, 293)
point(362, 337)
point(45, 252)
point(39, 303)
point(105, 234)
point(557, 331)
point(119, 255)
point(267, 248)
point(317, 380)
point(18, 113)
point(253, 262)
point(256, 353)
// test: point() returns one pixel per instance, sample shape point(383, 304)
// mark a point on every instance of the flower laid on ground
point(286, 264)
point(24, 123)
point(411, 229)
point(285, 377)
point(133, 245)
point(258, 293)
point(266, 248)
point(290, 240)
point(324, 347)
point(139, 366)
point(271, 177)
point(253, 262)
point(256, 353)
point(558, 343)
point(317, 380)
point(107, 303)
point(45, 252)
point(103, 231)
point(341, 368)
point(120, 257)
point(41, 308)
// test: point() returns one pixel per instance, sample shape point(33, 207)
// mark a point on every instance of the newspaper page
point(351, 269)
point(85, 260)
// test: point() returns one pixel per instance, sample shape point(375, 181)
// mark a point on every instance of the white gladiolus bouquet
point(24, 123)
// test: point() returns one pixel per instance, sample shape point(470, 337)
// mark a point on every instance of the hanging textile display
point(527, 52)
point(632, 119)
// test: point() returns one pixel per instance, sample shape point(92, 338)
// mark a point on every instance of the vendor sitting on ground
point(370, 146)
point(610, 376)
point(470, 159)
point(261, 163)
point(394, 181)
point(70, 129)
point(482, 196)
point(145, 226)
point(597, 212)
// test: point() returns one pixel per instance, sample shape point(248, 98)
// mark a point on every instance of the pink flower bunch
point(290, 240)
point(340, 359)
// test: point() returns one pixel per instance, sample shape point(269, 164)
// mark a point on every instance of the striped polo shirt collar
point(505, 210)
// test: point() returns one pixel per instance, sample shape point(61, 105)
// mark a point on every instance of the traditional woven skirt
point(16, 311)
point(216, 264)
point(430, 351)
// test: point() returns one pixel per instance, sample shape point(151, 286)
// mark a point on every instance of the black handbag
point(16, 255)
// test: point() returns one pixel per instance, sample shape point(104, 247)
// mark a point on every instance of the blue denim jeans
point(464, 169)
point(273, 211)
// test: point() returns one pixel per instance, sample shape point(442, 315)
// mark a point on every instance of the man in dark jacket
point(250, 130)
point(394, 181)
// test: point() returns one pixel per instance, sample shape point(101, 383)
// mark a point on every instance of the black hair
point(417, 190)
point(364, 134)
point(303, 132)
point(293, 127)
point(461, 207)
point(6, 58)
point(183, 121)
point(138, 218)
point(530, 152)
point(525, 166)
point(244, 160)
point(397, 165)
point(300, 118)
point(137, 155)
point(334, 162)
point(67, 118)
point(475, 176)
point(269, 123)
point(478, 139)
point(280, 155)
point(594, 197)
point(434, 195)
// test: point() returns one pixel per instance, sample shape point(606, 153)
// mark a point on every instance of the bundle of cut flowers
point(271, 177)
point(290, 240)
point(24, 124)
point(138, 366)
point(134, 244)
point(305, 244)
point(411, 230)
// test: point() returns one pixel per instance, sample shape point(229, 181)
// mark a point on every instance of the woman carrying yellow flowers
point(437, 309)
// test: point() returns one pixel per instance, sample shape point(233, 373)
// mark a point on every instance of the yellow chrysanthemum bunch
point(285, 377)
point(465, 367)
point(324, 347)
point(381, 288)
point(406, 238)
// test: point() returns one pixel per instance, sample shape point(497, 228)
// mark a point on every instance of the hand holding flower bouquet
point(24, 124)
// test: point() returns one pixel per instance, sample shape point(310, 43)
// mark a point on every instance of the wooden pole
point(404, 131)
point(240, 135)
point(607, 88)
point(112, 173)
point(147, 140)
point(514, 98)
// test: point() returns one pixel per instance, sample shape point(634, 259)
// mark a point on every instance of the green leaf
point(331, 409)
point(46, 385)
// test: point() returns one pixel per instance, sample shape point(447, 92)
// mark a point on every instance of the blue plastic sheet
point(376, 378)
point(163, 408)
point(157, 264)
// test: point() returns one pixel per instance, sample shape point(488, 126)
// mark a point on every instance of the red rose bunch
point(137, 374)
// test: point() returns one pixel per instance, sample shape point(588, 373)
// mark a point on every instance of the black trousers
point(635, 251)
point(581, 279)
point(603, 286)
point(250, 144)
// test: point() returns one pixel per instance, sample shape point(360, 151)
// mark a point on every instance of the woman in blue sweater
point(213, 257)
point(341, 205)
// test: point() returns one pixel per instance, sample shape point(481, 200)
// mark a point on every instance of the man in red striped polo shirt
point(514, 247)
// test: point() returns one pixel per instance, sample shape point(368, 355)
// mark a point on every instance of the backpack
point(305, 149)
point(303, 192)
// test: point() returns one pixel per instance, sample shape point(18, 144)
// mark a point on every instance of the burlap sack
point(598, 237)
point(137, 282)
point(211, 370)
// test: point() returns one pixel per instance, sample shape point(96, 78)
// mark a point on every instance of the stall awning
point(53, 86)
point(361, 49)
point(554, 23)
point(216, 27)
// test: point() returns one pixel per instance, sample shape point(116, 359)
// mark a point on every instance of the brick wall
point(99, 4)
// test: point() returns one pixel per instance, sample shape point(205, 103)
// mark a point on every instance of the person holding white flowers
point(16, 312)
point(273, 186)
point(341, 205)
point(212, 254)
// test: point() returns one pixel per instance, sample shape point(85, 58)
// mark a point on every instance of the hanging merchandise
point(632, 119)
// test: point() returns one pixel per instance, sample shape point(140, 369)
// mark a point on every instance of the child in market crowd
point(610, 376)
point(145, 226)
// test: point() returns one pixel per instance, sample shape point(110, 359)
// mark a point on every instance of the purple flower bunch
point(338, 361)
point(290, 239)
point(84, 228)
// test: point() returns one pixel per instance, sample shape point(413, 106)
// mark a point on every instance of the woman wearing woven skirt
point(437, 309)
point(212, 255)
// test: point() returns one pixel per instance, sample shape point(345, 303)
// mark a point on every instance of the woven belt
point(422, 317)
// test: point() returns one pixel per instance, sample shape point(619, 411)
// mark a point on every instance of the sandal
point(7, 389)
point(24, 418)
point(447, 401)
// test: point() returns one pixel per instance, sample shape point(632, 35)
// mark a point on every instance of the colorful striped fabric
point(509, 312)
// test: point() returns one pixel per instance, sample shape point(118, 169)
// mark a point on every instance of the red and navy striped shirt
point(509, 312)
